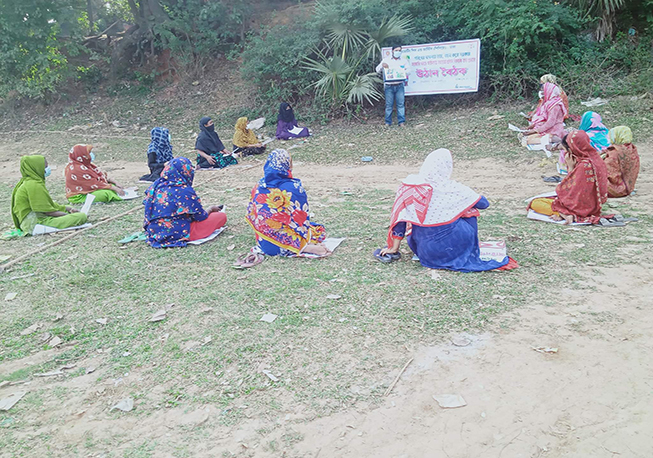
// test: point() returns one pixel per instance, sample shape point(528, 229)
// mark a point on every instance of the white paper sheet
point(87, 204)
point(296, 130)
point(130, 193)
point(330, 243)
point(547, 219)
point(493, 250)
point(267, 140)
point(209, 238)
point(40, 229)
point(256, 123)
point(544, 194)
point(515, 128)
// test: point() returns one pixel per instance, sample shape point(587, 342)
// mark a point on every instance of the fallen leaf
point(334, 297)
point(545, 349)
point(449, 401)
point(207, 310)
point(90, 370)
point(45, 337)
point(101, 321)
point(30, 330)
point(207, 340)
point(11, 296)
point(231, 247)
point(126, 405)
point(55, 342)
point(269, 317)
point(11, 400)
point(57, 317)
point(460, 341)
point(270, 375)
point(158, 316)
point(495, 117)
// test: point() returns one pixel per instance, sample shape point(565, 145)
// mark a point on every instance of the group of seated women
point(211, 152)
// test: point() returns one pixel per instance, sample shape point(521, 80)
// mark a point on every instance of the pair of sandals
point(248, 260)
point(386, 258)
point(616, 221)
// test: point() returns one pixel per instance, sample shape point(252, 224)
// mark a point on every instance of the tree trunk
point(89, 11)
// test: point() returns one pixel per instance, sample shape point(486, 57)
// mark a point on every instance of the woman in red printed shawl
point(84, 177)
point(582, 192)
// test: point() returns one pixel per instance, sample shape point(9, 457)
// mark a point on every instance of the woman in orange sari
point(622, 162)
point(582, 192)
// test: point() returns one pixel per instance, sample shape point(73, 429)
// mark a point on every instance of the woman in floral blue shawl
point(279, 214)
point(173, 212)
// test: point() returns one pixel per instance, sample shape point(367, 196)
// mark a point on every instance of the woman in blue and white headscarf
point(159, 152)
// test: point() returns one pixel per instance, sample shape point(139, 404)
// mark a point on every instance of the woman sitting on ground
point(31, 203)
point(174, 214)
point(596, 131)
point(211, 152)
point(83, 177)
point(245, 141)
point(582, 192)
point(440, 216)
point(549, 78)
point(550, 115)
point(622, 162)
point(159, 152)
point(279, 214)
point(287, 126)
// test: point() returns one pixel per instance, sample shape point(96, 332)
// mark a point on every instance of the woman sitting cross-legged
point(550, 114)
point(83, 177)
point(622, 162)
point(245, 141)
point(159, 151)
point(211, 152)
point(582, 192)
point(279, 214)
point(287, 126)
point(174, 214)
point(440, 215)
point(31, 203)
point(592, 123)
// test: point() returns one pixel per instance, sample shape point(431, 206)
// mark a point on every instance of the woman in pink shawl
point(550, 115)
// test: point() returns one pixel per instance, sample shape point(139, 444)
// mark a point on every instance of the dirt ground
point(591, 398)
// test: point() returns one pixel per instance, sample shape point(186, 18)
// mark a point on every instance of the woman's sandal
point(248, 260)
point(386, 258)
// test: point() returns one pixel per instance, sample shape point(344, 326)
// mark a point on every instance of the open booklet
point(296, 130)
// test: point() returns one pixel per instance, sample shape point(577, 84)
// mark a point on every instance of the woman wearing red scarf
point(83, 177)
point(582, 192)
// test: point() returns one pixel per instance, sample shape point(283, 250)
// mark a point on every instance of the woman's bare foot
point(319, 250)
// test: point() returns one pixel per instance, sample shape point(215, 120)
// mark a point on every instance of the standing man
point(395, 74)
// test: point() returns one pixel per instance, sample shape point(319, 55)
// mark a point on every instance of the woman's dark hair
point(564, 141)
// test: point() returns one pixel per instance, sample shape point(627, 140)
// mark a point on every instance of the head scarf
point(244, 137)
point(548, 78)
point(431, 197)
point(278, 210)
point(208, 140)
point(597, 132)
point(30, 193)
point(620, 135)
point(622, 162)
point(286, 113)
point(171, 204)
point(550, 100)
point(83, 177)
point(585, 189)
point(160, 144)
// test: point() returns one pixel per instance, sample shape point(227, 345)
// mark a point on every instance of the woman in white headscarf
point(438, 215)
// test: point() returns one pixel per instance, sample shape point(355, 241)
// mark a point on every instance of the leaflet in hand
point(515, 128)
point(394, 75)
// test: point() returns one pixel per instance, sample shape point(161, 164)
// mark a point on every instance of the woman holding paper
point(174, 214)
point(31, 203)
point(245, 141)
point(438, 215)
point(287, 126)
point(279, 214)
point(211, 152)
point(550, 115)
point(582, 192)
point(83, 177)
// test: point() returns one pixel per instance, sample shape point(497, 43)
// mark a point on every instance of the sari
point(82, 176)
point(550, 115)
point(171, 205)
point(622, 162)
point(278, 210)
point(549, 78)
point(439, 215)
point(582, 192)
point(596, 131)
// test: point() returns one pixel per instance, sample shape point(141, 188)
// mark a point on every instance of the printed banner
point(441, 68)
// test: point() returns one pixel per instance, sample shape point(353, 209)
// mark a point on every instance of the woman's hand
point(215, 208)
point(387, 250)
point(119, 190)
point(570, 160)
point(208, 157)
